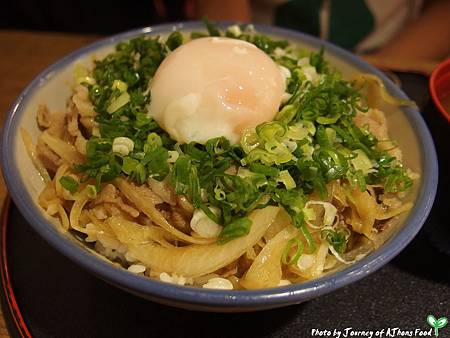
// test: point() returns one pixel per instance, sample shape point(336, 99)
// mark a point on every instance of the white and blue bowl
point(52, 87)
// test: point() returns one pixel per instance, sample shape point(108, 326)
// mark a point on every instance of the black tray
point(46, 295)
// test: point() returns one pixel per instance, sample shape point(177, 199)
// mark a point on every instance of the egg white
point(213, 87)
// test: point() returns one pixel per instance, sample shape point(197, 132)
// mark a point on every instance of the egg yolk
point(213, 87)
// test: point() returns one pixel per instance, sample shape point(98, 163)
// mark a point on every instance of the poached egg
point(215, 86)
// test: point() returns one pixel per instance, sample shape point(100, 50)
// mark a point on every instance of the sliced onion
point(328, 217)
point(147, 206)
point(366, 208)
point(197, 260)
point(63, 149)
point(282, 220)
point(128, 232)
point(163, 190)
point(376, 82)
point(339, 257)
point(321, 255)
point(63, 216)
point(394, 212)
point(265, 271)
point(31, 150)
point(80, 201)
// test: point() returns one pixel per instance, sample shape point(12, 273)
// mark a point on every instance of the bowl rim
point(243, 299)
point(433, 90)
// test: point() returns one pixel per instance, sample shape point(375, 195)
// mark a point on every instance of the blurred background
point(390, 32)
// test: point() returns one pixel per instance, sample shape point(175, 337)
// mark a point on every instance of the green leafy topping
point(212, 28)
point(156, 162)
point(337, 238)
point(292, 243)
point(69, 183)
point(238, 228)
point(91, 191)
point(174, 40)
point(312, 141)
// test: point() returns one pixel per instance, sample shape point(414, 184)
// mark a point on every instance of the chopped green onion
point(217, 146)
point(156, 161)
point(357, 180)
point(139, 173)
point(235, 31)
point(259, 155)
point(120, 85)
point(198, 35)
point(310, 214)
point(287, 114)
point(174, 40)
point(332, 162)
point(309, 239)
point(238, 228)
point(250, 140)
point(173, 156)
point(362, 162)
point(327, 119)
point(69, 183)
point(153, 141)
point(219, 193)
point(286, 178)
point(91, 191)
point(264, 169)
point(212, 29)
point(293, 242)
point(269, 131)
point(331, 134)
point(312, 141)
point(118, 102)
point(297, 131)
point(180, 175)
point(329, 215)
point(129, 164)
point(337, 238)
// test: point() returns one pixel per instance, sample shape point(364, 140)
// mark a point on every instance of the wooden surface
point(23, 56)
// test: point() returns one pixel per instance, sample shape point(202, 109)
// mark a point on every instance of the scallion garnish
point(312, 141)
point(292, 243)
point(238, 228)
point(69, 183)
point(337, 238)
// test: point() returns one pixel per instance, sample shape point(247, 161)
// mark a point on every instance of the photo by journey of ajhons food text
point(223, 159)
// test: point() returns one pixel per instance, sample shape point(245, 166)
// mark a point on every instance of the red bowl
point(440, 88)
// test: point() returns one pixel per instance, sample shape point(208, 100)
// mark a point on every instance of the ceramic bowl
point(440, 88)
point(52, 87)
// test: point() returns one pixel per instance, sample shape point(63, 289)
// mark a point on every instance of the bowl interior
point(53, 88)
